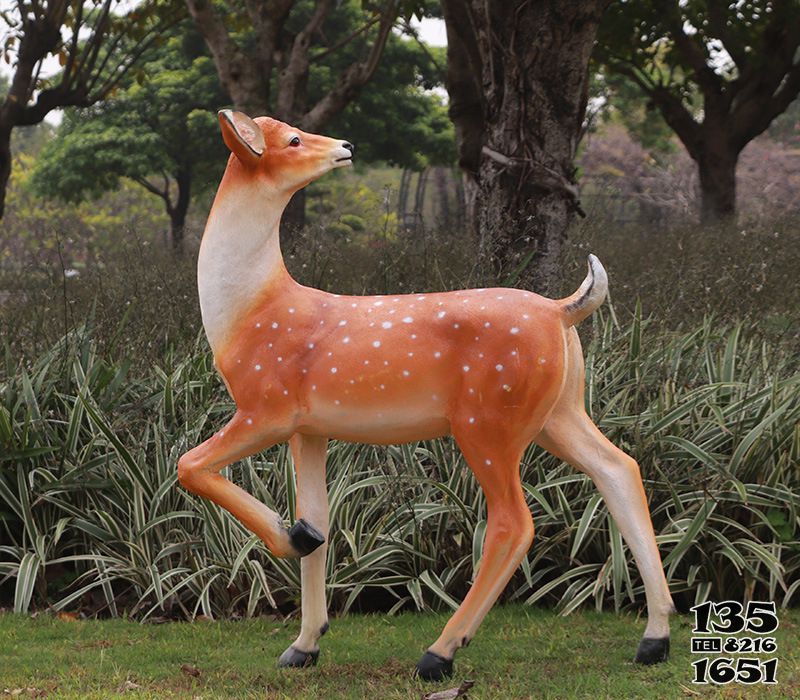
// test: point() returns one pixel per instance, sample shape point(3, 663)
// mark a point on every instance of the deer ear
point(242, 135)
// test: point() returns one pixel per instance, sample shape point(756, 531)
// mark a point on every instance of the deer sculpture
point(495, 368)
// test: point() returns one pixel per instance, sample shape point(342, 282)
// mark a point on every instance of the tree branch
point(354, 78)
point(240, 75)
point(294, 76)
point(150, 187)
point(343, 42)
point(710, 83)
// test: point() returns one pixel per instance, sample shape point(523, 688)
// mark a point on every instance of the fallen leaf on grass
point(68, 616)
point(190, 670)
point(450, 693)
point(128, 685)
point(688, 691)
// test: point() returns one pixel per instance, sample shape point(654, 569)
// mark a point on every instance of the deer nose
point(349, 146)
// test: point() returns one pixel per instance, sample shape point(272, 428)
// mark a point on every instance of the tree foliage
point(159, 130)
point(94, 43)
point(401, 119)
point(718, 71)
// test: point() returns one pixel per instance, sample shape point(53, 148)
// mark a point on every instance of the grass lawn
point(519, 652)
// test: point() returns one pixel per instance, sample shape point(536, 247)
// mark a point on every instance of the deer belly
point(365, 419)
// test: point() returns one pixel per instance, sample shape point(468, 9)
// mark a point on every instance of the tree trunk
point(440, 177)
point(293, 220)
point(533, 80)
point(177, 213)
point(717, 171)
point(5, 166)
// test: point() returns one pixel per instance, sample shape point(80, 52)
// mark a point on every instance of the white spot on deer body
point(471, 420)
point(269, 345)
point(386, 324)
point(342, 322)
point(249, 421)
point(322, 323)
point(499, 368)
point(488, 462)
point(274, 324)
point(472, 391)
point(291, 310)
point(354, 305)
point(406, 373)
point(506, 387)
point(258, 325)
point(542, 360)
point(480, 354)
point(222, 433)
point(413, 336)
point(280, 359)
point(487, 324)
point(408, 319)
point(376, 343)
point(435, 397)
point(465, 368)
point(334, 370)
point(304, 370)
point(525, 316)
point(514, 330)
point(285, 392)
point(437, 354)
point(313, 387)
point(500, 297)
point(346, 339)
point(330, 354)
point(258, 368)
point(455, 325)
point(337, 402)
point(383, 386)
point(411, 354)
point(311, 346)
point(378, 303)
point(514, 352)
point(441, 314)
point(366, 362)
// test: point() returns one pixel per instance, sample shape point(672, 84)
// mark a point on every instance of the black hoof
point(305, 538)
point(294, 658)
point(432, 667)
point(652, 651)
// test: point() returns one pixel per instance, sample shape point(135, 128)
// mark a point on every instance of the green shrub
point(92, 516)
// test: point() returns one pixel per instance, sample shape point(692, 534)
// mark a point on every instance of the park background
point(692, 364)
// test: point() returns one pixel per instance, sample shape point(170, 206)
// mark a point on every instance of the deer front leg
point(198, 472)
point(312, 505)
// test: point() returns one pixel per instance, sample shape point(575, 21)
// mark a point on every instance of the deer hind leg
point(198, 472)
point(509, 533)
point(312, 504)
point(570, 435)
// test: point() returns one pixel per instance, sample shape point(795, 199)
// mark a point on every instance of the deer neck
point(240, 259)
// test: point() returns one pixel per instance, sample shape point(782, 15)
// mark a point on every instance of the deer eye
point(294, 141)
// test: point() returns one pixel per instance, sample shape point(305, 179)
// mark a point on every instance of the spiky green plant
point(92, 517)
